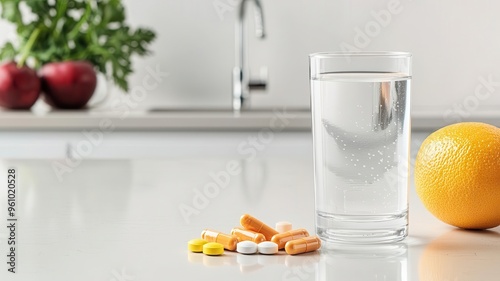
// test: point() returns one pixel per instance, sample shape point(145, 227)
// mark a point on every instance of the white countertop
point(204, 119)
point(295, 119)
point(120, 220)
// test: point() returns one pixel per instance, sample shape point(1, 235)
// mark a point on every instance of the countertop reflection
point(462, 255)
point(131, 220)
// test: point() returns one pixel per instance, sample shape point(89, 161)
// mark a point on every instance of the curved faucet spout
point(241, 74)
point(259, 17)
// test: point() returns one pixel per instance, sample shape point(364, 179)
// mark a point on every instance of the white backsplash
point(454, 45)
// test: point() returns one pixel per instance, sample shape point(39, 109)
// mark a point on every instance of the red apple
point(69, 84)
point(19, 86)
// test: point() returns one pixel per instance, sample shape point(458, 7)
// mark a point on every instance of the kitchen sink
point(229, 110)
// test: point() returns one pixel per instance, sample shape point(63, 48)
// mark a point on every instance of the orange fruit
point(457, 175)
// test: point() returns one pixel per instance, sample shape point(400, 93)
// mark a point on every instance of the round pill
point(213, 249)
point(268, 248)
point(246, 247)
point(283, 226)
point(196, 245)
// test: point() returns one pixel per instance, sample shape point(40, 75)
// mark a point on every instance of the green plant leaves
point(8, 52)
point(10, 11)
point(93, 30)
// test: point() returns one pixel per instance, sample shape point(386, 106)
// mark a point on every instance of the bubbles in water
point(368, 138)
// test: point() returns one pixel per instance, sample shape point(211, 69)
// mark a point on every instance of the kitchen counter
point(126, 119)
point(130, 220)
point(173, 119)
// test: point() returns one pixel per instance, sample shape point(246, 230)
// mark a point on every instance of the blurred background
point(453, 45)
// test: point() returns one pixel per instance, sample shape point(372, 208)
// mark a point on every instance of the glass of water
point(361, 132)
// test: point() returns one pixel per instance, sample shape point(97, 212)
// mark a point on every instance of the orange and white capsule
point(303, 245)
point(284, 237)
point(251, 223)
point(248, 235)
point(228, 241)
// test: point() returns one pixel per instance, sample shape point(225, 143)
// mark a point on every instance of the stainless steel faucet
point(242, 83)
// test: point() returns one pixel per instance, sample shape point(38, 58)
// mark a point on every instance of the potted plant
point(68, 41)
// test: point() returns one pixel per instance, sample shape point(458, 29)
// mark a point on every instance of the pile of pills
point(256, 237)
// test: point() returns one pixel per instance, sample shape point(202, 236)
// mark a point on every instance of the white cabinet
point(94, 144)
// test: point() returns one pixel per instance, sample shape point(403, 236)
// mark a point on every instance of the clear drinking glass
point(361, 132)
